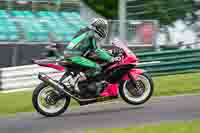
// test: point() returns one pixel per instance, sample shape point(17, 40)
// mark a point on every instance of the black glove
point(117, 52)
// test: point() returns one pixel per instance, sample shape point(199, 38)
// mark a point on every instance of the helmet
point(100, 27)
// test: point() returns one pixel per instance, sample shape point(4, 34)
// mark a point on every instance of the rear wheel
point(141, 93)
point(47, 101)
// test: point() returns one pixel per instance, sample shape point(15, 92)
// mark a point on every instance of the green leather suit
point(83, 42)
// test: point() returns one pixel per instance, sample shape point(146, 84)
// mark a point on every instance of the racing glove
point(115, 59)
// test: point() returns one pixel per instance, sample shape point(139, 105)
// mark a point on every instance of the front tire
point(51, 108)
point(146, 81)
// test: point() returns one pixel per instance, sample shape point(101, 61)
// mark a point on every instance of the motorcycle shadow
point(85, 111)
point(102, 111)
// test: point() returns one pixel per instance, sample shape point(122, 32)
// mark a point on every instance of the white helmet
point(100, 26)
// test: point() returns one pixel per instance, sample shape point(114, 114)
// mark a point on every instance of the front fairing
point(130, 56)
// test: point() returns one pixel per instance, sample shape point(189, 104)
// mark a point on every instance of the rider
point(86, 41)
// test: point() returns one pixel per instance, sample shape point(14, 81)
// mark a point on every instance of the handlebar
point(116, 51)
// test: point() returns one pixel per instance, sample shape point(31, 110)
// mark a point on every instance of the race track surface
point(115, 114)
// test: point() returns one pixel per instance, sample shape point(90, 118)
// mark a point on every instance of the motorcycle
point(52, 97)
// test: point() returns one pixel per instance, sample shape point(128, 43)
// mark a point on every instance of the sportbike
point(52, 97)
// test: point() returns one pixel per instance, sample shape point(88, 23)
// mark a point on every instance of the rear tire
point(144, 97)
point(40, 109)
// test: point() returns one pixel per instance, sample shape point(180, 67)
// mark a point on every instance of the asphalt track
point(115, 114)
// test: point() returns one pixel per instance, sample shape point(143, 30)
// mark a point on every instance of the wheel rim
point(44, 99)
point(142, 79)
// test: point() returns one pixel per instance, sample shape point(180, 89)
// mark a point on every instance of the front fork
point(133, 75)
point(132, 79)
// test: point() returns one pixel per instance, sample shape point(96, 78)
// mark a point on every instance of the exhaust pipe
point(59, 87)
point(54, 84)
point(50, 81)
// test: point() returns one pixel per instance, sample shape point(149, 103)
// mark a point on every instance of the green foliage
point(166, 11)
point(107, 8)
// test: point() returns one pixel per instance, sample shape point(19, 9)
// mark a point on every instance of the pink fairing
point(111, 90)
point(54, 66)
point(127, 60)
point(134, 73)
point(130, 58)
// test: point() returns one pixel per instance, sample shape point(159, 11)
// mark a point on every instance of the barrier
point(168, 53)
point(172, 61)
point(24, 76)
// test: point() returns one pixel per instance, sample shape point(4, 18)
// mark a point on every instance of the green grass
point(165, 85)
point(12, 103)
point(15, 102)
point(177, 84)
point(175, 127)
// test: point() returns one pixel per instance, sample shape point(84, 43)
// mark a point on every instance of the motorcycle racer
point(86, 41)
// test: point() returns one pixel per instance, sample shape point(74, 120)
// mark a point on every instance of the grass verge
point(177, 84)
point(13, 103)
point(165, 85)
point(174, 127)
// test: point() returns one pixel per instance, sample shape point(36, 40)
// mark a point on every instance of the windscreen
point(118, 43)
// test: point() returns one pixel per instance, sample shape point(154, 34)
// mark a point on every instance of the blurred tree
point(166, 11)
point(107, 8)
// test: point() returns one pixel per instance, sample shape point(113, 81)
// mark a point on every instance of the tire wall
point(15, 55)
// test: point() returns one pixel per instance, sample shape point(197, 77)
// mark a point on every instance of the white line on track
point(16, 90)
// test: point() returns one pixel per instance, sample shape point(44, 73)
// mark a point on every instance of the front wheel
point(47, 102)
point(141, 93)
